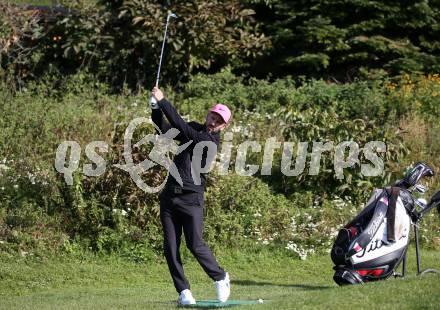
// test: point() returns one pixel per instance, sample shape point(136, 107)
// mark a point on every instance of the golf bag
point(372, 245)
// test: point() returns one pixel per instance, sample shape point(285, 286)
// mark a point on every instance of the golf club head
point(421, 202)
point(171, 14)
point(413, 176)
point(420, 188)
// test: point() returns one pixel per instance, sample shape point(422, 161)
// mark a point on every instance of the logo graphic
point(203, 156)
point(162, 145)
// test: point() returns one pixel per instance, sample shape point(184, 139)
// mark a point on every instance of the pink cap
point(223, 111)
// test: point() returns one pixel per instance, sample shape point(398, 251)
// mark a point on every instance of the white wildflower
point(4, 167)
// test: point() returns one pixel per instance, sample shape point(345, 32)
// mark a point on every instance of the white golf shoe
point(223, 289)
point(186, 298)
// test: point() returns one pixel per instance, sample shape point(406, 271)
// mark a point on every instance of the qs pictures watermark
point(294, 156)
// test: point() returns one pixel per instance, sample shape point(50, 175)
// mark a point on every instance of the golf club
point(171, 14)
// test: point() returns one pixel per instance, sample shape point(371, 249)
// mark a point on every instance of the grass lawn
point(283, 282)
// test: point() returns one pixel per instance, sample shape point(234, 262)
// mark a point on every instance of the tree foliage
point(120, 41)
point(346, 38)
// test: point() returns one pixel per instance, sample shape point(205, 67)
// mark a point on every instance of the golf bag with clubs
point(374, 243)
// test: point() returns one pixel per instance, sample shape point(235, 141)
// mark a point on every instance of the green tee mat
point(212, 304)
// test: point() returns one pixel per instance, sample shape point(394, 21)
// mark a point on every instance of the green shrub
point(245, 209)
point(109, 213)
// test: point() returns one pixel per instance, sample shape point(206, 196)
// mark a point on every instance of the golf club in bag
point(152, 99)
point(375, 242)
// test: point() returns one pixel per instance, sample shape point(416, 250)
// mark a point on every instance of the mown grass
point(282, 281)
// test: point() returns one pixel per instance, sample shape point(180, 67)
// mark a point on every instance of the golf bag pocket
point(340, 247)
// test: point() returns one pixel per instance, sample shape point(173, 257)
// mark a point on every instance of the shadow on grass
point(262, 283)
point(208, 304)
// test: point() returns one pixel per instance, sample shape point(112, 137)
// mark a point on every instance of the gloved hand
point(153, 103)
point(157, 95)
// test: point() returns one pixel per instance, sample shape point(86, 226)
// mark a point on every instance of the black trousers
point(179, 213)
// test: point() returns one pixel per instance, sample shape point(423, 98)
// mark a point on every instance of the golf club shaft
point(153, 100)
point(161, 52)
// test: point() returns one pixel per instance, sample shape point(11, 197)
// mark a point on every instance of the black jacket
point(187, 131)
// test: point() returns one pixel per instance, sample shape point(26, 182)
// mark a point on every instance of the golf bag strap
point(376, 220)
point(393, 194)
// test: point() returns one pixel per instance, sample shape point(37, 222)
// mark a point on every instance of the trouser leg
point(193, 230)
point(172, 229)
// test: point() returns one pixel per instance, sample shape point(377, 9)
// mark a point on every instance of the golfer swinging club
point(181, 206)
